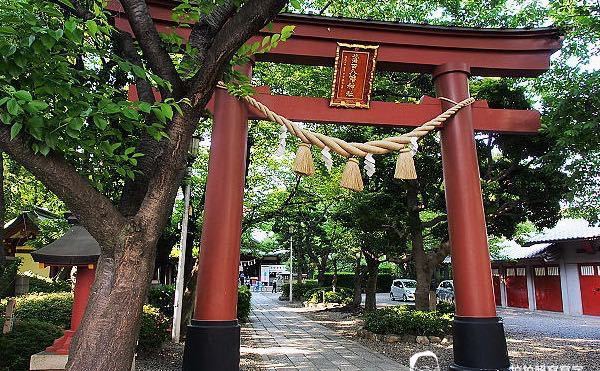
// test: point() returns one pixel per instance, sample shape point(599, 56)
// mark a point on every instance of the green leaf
point(48, 41)
point(145, 107)
point(296, 4)
point(44, 149)
point(5, 118)
point(36, 106)
point(92, 26)
point(287, 31)
point(31, 40)
point(76, 123)
point(71, 24)
point(167, 110)
point(4, 100)
point(23, 95)
point(129, 151)
point(100, 122)
point(139, 71)
point(13, 107)
point(159, 115)
point(15, 130)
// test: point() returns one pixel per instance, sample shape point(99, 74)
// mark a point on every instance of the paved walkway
point(289, 341)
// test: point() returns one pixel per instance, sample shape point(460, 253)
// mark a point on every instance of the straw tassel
point(405, 165)
point(351, 177)
point(304, 164)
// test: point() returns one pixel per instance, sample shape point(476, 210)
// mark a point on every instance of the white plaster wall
point(530, 288)
point(573, 289)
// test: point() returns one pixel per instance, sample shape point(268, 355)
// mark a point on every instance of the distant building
point(20, 230)
point(557, 270)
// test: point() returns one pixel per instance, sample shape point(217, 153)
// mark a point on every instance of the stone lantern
point(76, 248)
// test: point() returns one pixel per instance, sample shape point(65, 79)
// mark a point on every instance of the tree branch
point(152, 46)
point(63, 180)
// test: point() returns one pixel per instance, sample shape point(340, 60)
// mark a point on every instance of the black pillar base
point(479, 344)
point(212, 345)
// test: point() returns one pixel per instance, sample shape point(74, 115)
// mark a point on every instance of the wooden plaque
point(353, 75)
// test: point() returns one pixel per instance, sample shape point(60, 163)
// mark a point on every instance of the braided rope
point(346, 149)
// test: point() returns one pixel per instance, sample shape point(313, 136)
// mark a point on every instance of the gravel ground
point(533, 339)
point(170, 357)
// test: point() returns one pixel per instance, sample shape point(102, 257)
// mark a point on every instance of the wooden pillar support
point(479, 340)
point(213, 338)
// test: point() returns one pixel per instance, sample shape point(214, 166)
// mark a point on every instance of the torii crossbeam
point(451, 55)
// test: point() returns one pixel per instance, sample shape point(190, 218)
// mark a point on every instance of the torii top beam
point(402, 47)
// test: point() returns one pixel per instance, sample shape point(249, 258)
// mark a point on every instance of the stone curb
point(391, 339)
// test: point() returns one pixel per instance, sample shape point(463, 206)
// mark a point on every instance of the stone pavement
point(286, 340)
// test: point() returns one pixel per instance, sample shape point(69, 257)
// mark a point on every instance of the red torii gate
point(451, 55)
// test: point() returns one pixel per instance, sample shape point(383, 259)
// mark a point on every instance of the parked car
point(445, 291)
point(403, 289)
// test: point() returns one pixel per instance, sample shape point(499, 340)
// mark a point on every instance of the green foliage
point(27, 338)
point(54, 92)
point(41, 284)
point(401, 321)
point(445, 307)
point(346, 279)
point(154, 329)
point(327, 295)
point(299, 290)
point(54, 308)
point(243, 304)
point(163, 298)
point(8, 272)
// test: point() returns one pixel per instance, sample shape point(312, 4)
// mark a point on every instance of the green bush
point(346, 279)
point(243, 305)
point(54, 308)
point(327, 295)
point(39, 283)
point(153, 330)
point(299, 290)
point(28, 337)
point(8, 272)
point(162, 297)
point(444, 307)
point(400, 321)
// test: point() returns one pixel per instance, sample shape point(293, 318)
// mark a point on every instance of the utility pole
point(179, 284)
point(291, 265)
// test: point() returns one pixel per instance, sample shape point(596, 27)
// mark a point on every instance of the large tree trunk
point(112, 317)
point(371, 287)
point(357, 298)
point(321, 270)
point(422, 267)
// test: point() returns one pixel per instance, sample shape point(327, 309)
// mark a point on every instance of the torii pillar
point(213, 338)
point(479, 340)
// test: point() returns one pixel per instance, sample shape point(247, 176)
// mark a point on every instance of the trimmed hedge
point(39, 283)
point(162, 297)
point(341, 295)
point(400, 321)
point(54, 308)
point(346, 279)
point(27, 338)
point(154, 329)
point(299, 291)
point(445, 308)
point(243, 304)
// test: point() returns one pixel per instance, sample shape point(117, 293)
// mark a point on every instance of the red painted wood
point(548, 294)
point(394, 114)
point(516, 291)
point(81, 294)
point(497, 297)
point(590, 290)
point(216, 295)
point(403, 47)
point(466, 219)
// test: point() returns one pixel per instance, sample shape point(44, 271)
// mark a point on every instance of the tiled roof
point(511, 250)
point(565, 230)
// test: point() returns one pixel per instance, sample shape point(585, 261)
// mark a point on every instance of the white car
point(445, 291)
point(403, 289)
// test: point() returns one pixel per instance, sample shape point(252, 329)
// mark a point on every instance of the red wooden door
point(548, 295)
point(589, 282)
point(496, 282)
point(516, 288)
